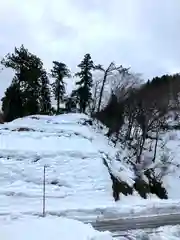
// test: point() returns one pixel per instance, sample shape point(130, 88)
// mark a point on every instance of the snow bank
point(161, 233)
point(172, 178)
point(167, 164)
point(78, 184)
point(76, 178)
point(50, 228)
point(166, 233)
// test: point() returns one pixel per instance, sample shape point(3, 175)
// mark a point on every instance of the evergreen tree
point(59, 72)
point(85, 84)
point(12, 103)
point(45, 95)
point(29, 80)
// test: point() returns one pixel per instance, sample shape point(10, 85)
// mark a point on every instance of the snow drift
point(50, 228)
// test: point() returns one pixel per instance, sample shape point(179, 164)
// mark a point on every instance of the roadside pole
point(44, 191)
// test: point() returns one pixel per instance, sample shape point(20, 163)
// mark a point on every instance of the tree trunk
point(141, 145)
point(156, 143)
point(84, 107)
point(58, 104)
point(101, 92)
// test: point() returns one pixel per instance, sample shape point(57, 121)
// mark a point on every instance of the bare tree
point(144, 114)
point(107, 72)
point(124, 81)
point(125, 86)
point(95, 94)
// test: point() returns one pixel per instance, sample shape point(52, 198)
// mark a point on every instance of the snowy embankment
point(68, 229)
point(161, 233)
point(50, 228)
point(75, 176)
point(78, 184)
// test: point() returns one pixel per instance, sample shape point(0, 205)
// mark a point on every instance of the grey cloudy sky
point(143, 34)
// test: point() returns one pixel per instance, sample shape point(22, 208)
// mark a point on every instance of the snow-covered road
point(147, 222)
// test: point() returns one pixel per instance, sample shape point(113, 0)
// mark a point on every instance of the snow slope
point(78, 184)
point(72, 161)
point(172, 150)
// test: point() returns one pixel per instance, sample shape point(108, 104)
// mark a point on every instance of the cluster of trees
point(141, 113)
point(31, 91)
point(139, 110)
point(145, 109)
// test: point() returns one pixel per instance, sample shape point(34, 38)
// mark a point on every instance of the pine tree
point(59, 72)
point(85, 84)
point(45, 94)
point(29, 76)
point(12, 103)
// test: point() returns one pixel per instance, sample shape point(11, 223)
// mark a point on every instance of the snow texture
point(78, 184)
point(50, 228)
point(161, 233)
point(76, 178)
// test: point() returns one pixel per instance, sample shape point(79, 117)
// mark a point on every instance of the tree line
point(116, 96)
point(142, 112)
point(137, 117)
point(31, 91)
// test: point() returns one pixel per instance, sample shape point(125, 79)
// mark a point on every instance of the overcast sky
point(143, 34)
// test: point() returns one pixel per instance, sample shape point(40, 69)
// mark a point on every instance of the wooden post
point(44, 192)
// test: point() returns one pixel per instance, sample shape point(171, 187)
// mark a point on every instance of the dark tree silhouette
point(12, 103)
point(85, 83)
point(45, 94)
point(59, 72)
point(29, 80)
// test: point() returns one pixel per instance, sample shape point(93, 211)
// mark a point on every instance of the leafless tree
point(124, 82)
point(95, 94)
point(107, 72)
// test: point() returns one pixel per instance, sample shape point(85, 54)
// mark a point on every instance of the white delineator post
point(44, 192)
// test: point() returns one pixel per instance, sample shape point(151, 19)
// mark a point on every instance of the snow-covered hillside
point(78, 184)
point(169, 150)
point(75, 175)
point(76, 178)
